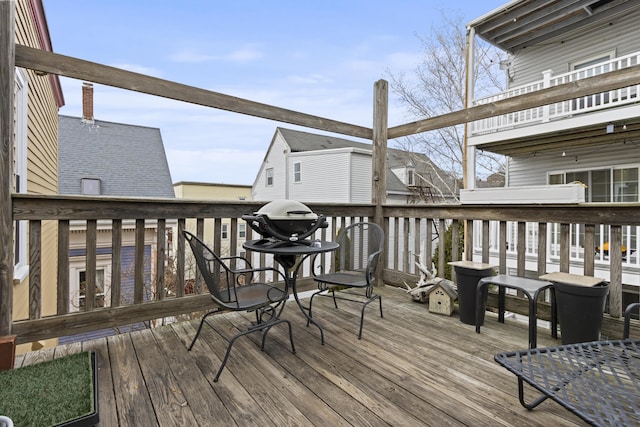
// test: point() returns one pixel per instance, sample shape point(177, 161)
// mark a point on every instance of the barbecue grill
point(286, 221)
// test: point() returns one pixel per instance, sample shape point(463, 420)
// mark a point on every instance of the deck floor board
point(411, 368)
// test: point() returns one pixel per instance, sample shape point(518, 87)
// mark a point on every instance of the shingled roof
point(129, 160)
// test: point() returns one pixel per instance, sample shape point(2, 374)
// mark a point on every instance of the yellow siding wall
point(42, 167)
point(208, 191)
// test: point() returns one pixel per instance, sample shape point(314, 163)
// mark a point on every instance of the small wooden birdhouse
point(441, 297)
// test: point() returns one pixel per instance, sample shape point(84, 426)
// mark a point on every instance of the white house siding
point(621, 37)
point(277, 161)
point(360, 178)
point(533, 170)
point(325, 176)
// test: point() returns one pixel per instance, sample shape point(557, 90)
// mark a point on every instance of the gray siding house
point(593, 140)
point(309, 167)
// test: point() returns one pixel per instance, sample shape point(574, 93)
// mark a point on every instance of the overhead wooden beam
point(7, 87)
point(68, 66)
point(583, 87)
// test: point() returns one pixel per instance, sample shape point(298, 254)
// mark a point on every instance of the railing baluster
point(542, 248)
point(63, 267)
point(502, 248)
point(138, 286)
point(116, 262)
point(589, 249)
point(160, 258)
point(565, 238)
point(521, 248)
point(615, 260)
point(35, 269)
point(90, 265)
point(180, 260)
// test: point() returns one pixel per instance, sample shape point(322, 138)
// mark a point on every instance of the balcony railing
point(159, 278)
point(598, 101)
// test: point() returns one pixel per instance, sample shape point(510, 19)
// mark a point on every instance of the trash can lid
point(472, 265)
point(572, 279)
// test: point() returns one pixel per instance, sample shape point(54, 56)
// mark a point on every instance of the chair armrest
point(627, 318)
point(372, 264)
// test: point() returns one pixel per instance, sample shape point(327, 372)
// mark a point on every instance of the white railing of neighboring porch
point(630, 259)
point(613, 98)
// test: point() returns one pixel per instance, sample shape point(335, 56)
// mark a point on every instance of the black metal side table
point(532, 288)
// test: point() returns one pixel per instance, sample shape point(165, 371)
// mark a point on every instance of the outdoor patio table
point(290, 255)
point(530, 287)
point(598, 381)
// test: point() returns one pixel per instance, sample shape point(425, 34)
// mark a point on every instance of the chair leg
point(264, 334)
point(364, 306)
point(264, 327)
point(200, 327)
point(333, 292)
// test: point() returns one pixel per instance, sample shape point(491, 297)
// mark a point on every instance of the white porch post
point(469, 153)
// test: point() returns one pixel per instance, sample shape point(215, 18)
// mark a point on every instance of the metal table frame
point(598, 381)
point(532, 288)
point(290, 256)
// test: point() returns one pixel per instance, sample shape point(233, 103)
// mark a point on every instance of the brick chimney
point(87, 102)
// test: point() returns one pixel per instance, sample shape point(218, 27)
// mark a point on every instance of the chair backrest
point(220, 279)
point(361, 244)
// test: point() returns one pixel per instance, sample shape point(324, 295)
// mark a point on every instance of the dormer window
point(410, 177)
point(90, 186)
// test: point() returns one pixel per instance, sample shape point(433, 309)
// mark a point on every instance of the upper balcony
point(585, 117)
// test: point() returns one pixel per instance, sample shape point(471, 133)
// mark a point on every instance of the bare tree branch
point(437, 86)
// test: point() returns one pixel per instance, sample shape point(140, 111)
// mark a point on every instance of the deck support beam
point(7, 88)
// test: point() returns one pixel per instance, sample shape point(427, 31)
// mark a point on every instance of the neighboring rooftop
point(300, 141)
point(128, 160)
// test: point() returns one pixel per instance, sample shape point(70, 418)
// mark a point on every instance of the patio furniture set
point(598, 380)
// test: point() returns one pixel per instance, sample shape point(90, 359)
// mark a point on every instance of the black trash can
point(468, 274)
point(580, 311)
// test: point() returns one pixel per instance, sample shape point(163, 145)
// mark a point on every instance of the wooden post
point(379, 158)
point(615, 278)
point(7, 87)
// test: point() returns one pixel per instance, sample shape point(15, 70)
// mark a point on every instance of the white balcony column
point(470, 168)
point(546, 82)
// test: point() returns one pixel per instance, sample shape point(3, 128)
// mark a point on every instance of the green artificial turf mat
point(48, 393)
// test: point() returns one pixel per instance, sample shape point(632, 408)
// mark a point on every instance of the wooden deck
point(411, 368)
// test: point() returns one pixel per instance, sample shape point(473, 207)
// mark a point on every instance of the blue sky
point(317, 58)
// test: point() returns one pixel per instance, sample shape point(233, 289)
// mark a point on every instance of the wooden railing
point(409, 229)
point(162, 213)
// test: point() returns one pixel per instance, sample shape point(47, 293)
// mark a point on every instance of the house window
point(242, 231)
point(90, 186)
point(269, 177)
point(297, 172)
point(21, 267)
point(225, 231)
point(625, 185)
point(99, 291)
point(610, 185)
point(411, 177)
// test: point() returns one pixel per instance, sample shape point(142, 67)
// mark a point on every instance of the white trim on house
point(21, 268)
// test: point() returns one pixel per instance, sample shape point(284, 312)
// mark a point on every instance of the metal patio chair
point(352, 277)
point(230, 281)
